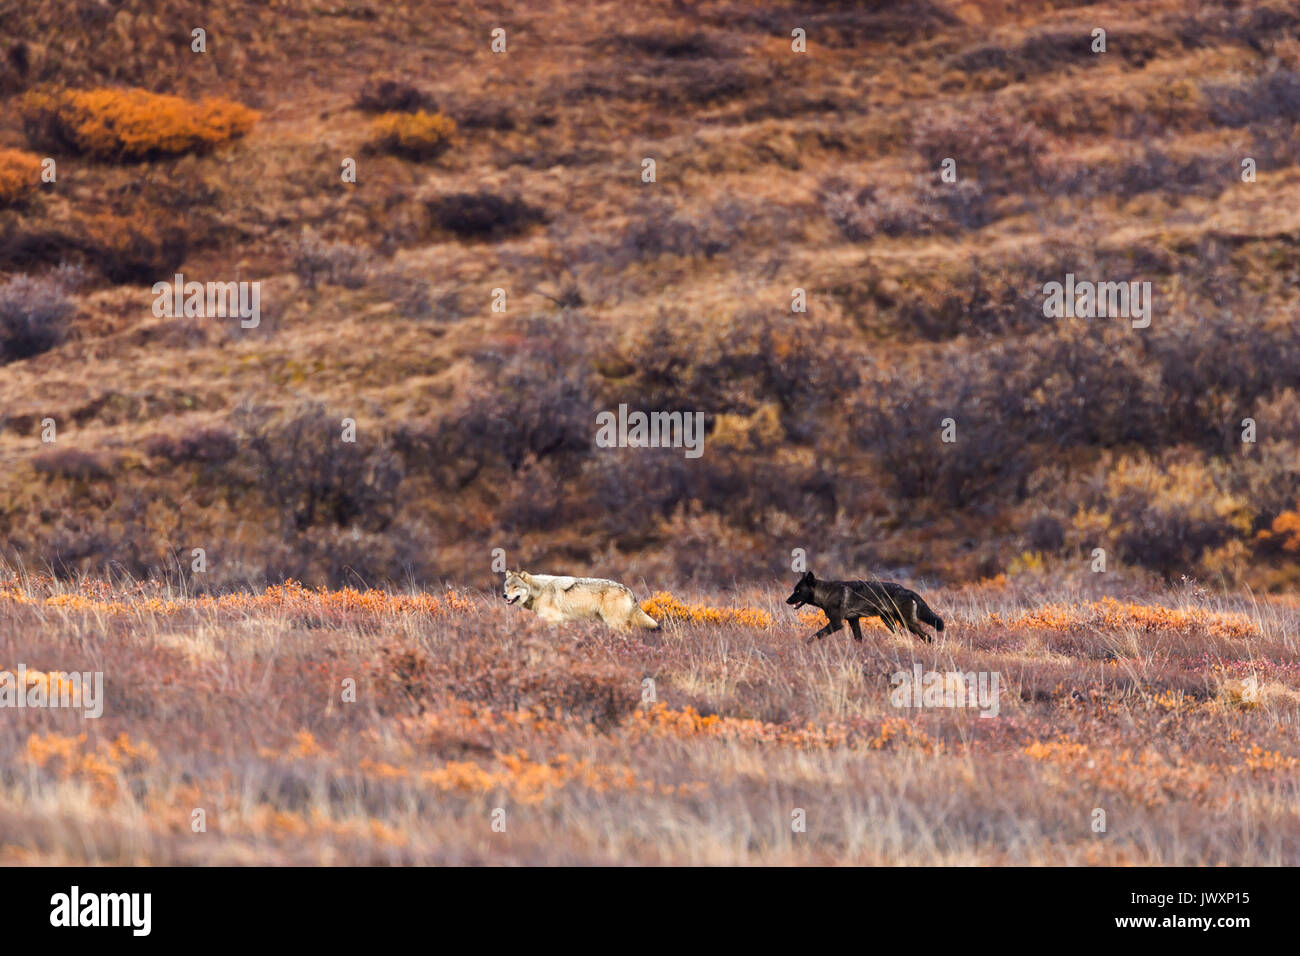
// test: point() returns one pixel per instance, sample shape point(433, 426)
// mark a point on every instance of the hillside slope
point(775, 171)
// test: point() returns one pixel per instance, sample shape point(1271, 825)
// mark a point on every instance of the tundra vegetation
point(359, 726)
point(387, 179)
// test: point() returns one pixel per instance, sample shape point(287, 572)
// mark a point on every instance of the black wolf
point(842, 601)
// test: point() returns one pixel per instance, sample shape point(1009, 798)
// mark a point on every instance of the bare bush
point(901, 418)
point(212, 445)
point(1167, 513)
point(304, 469)
point(634, 489)
point(337, 263)
point(387, 95)
point(483, 215)
point(34, 314)
point(1213, 370)
point(657, 229)
point(927, 207)
point(1148, 169)
point(77, 464)
point(797, 362)
point(345, 557)
point(1004, 153)
point(530, 406)
point(1273, 95)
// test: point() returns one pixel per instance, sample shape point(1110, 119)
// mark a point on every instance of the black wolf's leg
point(914, 625)
point(857, 631)
point(834, 625)
point(816, 634)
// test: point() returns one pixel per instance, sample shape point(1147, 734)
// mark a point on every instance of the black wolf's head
point(803, 591)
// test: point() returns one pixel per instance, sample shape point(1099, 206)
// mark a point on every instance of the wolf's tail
point(642, 619)
point(926, 616)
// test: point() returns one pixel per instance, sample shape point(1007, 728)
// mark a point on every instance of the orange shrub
point(20, 174)
point(664, 606)
point(1284, 533)
point(660, 720)
point(1109, 614)
point(419, 135)
point(111, 124)
point(290, 597)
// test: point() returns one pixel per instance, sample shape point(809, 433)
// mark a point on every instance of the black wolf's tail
point(926, 616)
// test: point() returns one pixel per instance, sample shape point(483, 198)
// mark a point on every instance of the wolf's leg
point(612, 611)
point(913, 624)
point(893, 614)
point(552, 612)
point(834, 625)
point(857, 631)
point(620, 618)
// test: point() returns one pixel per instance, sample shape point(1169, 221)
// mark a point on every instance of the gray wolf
point(557, 599)
point(848, 601)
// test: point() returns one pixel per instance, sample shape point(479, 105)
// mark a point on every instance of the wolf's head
point(803, 591)
point(516, 588)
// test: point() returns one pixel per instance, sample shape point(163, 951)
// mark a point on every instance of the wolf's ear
point(808, 576)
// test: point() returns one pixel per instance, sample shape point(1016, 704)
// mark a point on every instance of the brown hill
point(774, 171)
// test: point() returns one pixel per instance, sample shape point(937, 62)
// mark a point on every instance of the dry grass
point(1174, 713)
